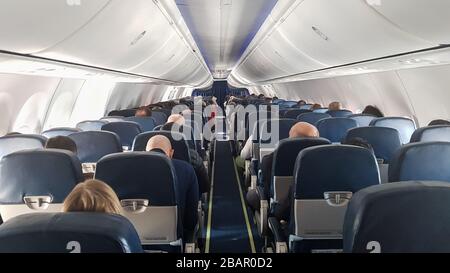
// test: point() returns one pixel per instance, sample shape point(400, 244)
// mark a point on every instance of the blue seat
point(293, 114)
point(147, 123)
point(62, 131)
point(159, 117)
point(179, 144)
point(146, 185)
point(75, 232)
point(325, 178)
point(431, 133)
point(404, 126)
point(312, 118)
point(335, 129)
point(363, 120)
point(288, 104)
point(339, 113)
point(406, 217)
point(384, 141)
point(421, 161)
point(93, 145)
point(268, 133)
point(321, 110)
point(123, 113)
point(126, 131)
point(306, 106)
point(37, 181)
point(91, 125)
point(13, 143)
point(113, 118)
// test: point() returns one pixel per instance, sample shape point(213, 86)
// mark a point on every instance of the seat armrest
point(278, 235)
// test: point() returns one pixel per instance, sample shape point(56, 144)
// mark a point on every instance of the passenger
point(62, 143)
point(439, 122)
point(301, 102)
point(187, 185)
point(143, 112)
point(92, 196)
point(373, 110)
point(261, 96)
point(335, 106)
point(315, 106)
point(357, 141)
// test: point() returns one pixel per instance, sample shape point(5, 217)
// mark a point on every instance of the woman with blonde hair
point(92, 196)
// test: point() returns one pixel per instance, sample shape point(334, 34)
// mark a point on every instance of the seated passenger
point(373, 110)
point(315, 106)
point(187, 185)
point(143, 112)
point(357, 141)
point(92, 196)
point(61, 142)
point(439, 122)
point(335, 106)
point(301, 102)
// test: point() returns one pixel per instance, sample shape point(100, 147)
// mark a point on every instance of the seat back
point(404, 126)
point(274, 130)
point(93, 145)
point(62, 131)
point(37, 181)
point(146, 185)
point(335, 129)
point(339, 113)
point(406, 217)
point(293, 114)
point(113, 118)
point(421, 161)
point(123, 113)
point(179, 144)
point(159, 117)
point(312, 118)
point(75, 232)
point(431, 133)
point(147, 123)
point(15, 143)
point(126, 131)
point(321, 110)
point(91, 125)
point(362, 120)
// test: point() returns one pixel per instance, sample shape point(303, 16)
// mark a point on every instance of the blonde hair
point(92, 196)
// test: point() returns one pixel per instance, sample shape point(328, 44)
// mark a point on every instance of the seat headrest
point(123, 113)
point(404, 126)
point(75, 232)
point(293, 114)
point(139, 175)
point(421, 161)
point(399, 217)
point(91, 125)
point(362, 119)
point(63, 131)
point(147, 123)
point(14, 143)
point(287, 151)
point(93, 145)
point(268, 133)
point(385, 141)
point(335, 129)
point(334, 168)
point(179, 144)
point(431, 133)
point(126, 131)
point(159, 117)
point(312, 118)
point(49, 172)
point(339, 113)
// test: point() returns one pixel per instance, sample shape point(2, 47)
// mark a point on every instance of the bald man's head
point(303, 129)
point(162, 143)
point(177, 119)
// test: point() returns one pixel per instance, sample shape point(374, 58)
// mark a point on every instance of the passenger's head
point(315, 106)
point(160, 143)
point(372, 110)
point(261, 96)
point(334, 106)
point(61, 142)
point(275, 98)
point(303, 129)
point(357, 141)
point(143, 112)
point(301, 102)
point(92, 196)
point(176, 118)
point(439, 122)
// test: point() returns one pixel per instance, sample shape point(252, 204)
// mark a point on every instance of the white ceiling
point(224, 28)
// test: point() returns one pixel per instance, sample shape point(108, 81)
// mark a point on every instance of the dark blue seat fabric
point(126, 131)
point(179, 145)
point(431, 133)
point(268, 135)
point(63, 131)
point(333, 168)
point(159, 117)
point(287, 104)
point(14, 143)
point(363, 120)
point(404, 126)
point(421, 161)
point(91, 125)
point(93, 145)
point(75, 232)
point(384, 141)
point(147, 123)
point(406, 217)
point(306, 106)
point(123, 113)
point(321, 110)
point(48, 172)
point(339, 113)
point(335, 129)
point(293, 114)
point(312, 118)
